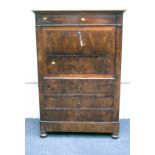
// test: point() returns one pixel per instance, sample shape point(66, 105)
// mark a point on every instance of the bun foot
point(115, 135)
point(43, 134)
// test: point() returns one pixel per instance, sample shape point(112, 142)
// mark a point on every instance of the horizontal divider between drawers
point(75, 55)
point(68, 122)
point(107, 78)
point(110, 109)
point(70, 25)
point(103, 95)
point(78, 78)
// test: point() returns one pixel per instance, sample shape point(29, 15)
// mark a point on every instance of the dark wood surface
point(76, 19)
point(78, 101)
point(79, 65)
point(78, 86)
point(65, 126)
point(95, 40)
point(79, 69)
point(78, 115)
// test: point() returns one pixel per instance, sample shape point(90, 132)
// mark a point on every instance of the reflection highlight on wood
point(78, 76)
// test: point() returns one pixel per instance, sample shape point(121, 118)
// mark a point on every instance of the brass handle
point(78, 115)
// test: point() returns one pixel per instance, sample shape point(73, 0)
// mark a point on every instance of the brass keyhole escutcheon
point(53, 62)
point(83, 19)
point(44, 18)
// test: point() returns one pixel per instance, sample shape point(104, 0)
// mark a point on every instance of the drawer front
point(80, 65)
point(78, 101)
point(83, 115)
point(79, 40)
point(70, 86)
point(74, 19)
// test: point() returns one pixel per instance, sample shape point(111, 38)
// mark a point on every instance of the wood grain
point(84, 115)
point(97, 127)
point(78, 76)
point(117, 74)
point(78, 101)
point(80, 65)
point(79, 68)
point(79, 40)
point(69, 19)
point(41, 60)
point(78, 87)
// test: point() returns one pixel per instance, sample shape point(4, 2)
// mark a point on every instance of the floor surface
point(76, 144)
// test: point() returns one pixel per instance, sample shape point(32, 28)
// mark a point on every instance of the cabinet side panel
point(117, 73)
point(40, 59)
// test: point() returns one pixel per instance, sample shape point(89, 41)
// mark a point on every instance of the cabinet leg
point(43, 134)
point(115, 135)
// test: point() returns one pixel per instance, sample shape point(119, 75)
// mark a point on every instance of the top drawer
point(74, 19)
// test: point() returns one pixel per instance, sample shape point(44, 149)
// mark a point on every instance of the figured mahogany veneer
point(78, 86)
point(79, 62)
point(65, 18)
point(84, 40)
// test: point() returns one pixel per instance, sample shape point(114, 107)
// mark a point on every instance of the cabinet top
point(44, 12)
point(79, 18)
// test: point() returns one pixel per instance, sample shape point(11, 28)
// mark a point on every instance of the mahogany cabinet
point(79, 69)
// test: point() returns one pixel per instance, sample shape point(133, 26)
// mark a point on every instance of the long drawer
point(76, 86)
point(82, 115)
point(78, 101)
point(73, 19)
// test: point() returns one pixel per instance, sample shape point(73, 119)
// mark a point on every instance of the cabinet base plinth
point(83, 127)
